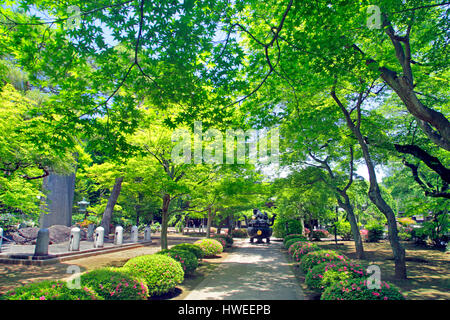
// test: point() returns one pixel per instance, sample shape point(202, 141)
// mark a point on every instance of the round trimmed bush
point(325, 274)
point(314, 258)
point(222, 242)
point(228, 239)
point(288, 243)
point(302, 248)
point(358, 290)
point(160, 272)
point(116, 284)
point(210, 247)
point(51, 290)
point(292, 236)
point(189, 247)
point(186, 258)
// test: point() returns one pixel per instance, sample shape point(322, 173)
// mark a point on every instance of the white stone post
point(134, 234)
point(118, 235)
point(148, 234)
point(42, 242)
point(99, 237)
point(74, 243)
point(1, 239)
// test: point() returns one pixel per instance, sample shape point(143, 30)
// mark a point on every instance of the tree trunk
point(375, 194)
point(165, 220)
point(376, 198)
point(209, 222)
point(346, 205)
point(230, 225)
point(107, 214)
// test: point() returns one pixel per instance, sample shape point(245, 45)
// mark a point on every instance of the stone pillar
point(118, 235)
point(60, 192)
point(99, 237)
point(134, 234)
point(148, 234)
point(42, 242)
point(74, 243)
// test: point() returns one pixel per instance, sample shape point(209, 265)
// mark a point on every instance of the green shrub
point(293, 236)
point(404, 236)
point(325, 274)
point(189, 247)
point(320, 233)
point(297, 244)
point(51, 290)
point(344, 230)
point(116, 284)
point(355, 289)
point(210, 247)
point(311, 259)
point(239, 233)
point(436, 231)
point(228, 239)
point(293, 227)
point(375, 232)
point(187, 259)
point(302, 249)
point(222, 242)
point(288, 243)
point(161, 273)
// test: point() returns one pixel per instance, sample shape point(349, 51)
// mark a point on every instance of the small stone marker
point(134, 234)
point(74, 242)
point(42, 242)
point(99, 237)
point(148, 234)
point(118, 235)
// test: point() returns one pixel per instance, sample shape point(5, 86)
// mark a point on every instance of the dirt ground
point(428, 269)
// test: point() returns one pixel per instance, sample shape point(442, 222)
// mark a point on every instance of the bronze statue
point(259, 226)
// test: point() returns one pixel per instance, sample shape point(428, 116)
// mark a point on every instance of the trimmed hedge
point(189, 247)
point(209, 247)
point(116, 284)
point(51, 290)
point(186, 258)
point(314, 258)
point(292, 236)
point(325, 274)
point(160, 272)
point(228, 239)
point(288, 243)
point(302, 248)
point(358, 290)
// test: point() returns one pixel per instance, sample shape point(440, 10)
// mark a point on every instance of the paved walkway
point(252, 272)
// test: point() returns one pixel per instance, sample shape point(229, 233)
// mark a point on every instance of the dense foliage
point(209, 247)
point(51, 290)
point(355, 289)
point(115, 284)
point(161, 273)
point(187, 259)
